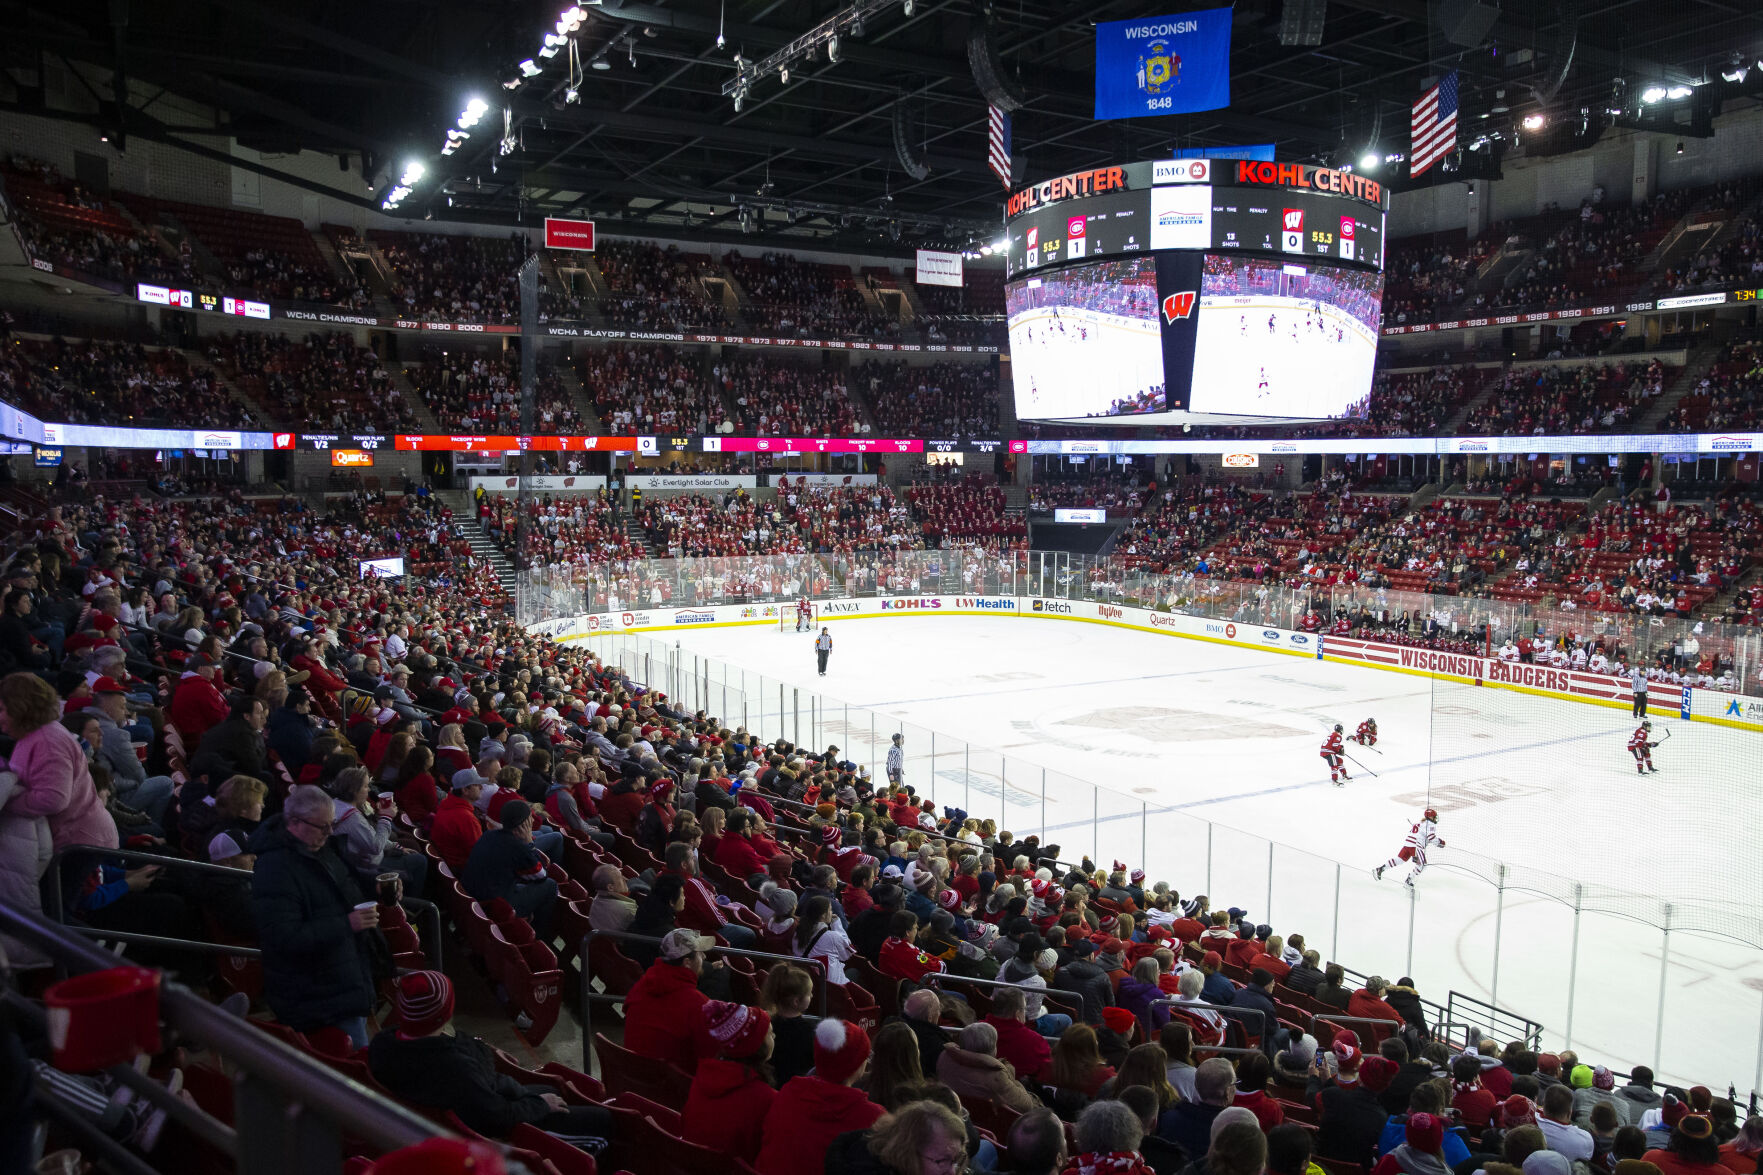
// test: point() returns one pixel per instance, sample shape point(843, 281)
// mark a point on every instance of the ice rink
point(1201, 761)
point(1074, 362)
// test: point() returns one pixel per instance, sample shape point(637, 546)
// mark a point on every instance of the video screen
point(1281, 338)
point(1263, 338)
point(1084, 341)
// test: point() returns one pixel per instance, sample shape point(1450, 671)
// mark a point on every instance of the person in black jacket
point(317, 970)
point(1349, 1117)
point(1409, 1074)
point(234, 747)
point(1258, 994)
point(422, 1065)
point(870, 928)
point(290, 730)
point(504, 864)
point(1084, 978)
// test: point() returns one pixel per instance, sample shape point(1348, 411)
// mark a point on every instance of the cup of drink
point(386, 885)
point(386, 800)
point(374, 906)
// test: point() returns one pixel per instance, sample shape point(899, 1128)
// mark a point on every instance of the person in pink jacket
point(51, 768)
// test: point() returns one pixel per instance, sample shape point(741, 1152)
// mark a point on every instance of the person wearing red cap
point(730, 1095)
point(426, 1067)
point(812, 1110)
point(116, 750)
point(1421, 1151)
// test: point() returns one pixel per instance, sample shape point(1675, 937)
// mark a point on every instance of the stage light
point(783, 75)
point(985, 250)
point(1677, 92)
point(1652, 94)
point(413, 172)
point(740, 100)
point(1533, 122)
point(832, 50)
point(571, 94)
point(909, 7)
point(600, 63)
point(1002, 246)
point(529, 68)
point(1369, 161)
point(1735, 74)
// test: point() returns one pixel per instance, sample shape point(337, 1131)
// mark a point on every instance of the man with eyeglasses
point(311, 922)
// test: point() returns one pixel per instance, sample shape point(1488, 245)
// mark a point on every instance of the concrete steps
point(1698, 362)
point(578, 395)
point(481, 546)
point(258, 410)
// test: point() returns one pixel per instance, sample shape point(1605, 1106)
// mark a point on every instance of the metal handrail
point(53, 905)
point(1046, 993)
point(589, 995)
point(1227, 1010)
point(293, 1112)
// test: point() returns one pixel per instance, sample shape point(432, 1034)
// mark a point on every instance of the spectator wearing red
point(900, 956)
point(196, 704)
point(1271, 959)
point(662, 1011)
point(457, 827)
point(417, 794)
point(1025, 1049)
point(1252, 1076)
point(1692, 1150)
point(1469, 1097)
point(1245, 948)
point(737, 852)
point(623, 801)
point(812, 1110)
point(1368, 1002)
point(730, 1097)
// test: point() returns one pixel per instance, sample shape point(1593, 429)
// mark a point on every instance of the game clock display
point(1296, 223)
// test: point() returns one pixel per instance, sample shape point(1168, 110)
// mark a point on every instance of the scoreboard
point(1212, 205)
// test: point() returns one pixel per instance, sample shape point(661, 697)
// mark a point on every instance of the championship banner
point(1163, 64)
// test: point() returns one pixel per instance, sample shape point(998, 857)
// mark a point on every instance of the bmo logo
point(1292, 230)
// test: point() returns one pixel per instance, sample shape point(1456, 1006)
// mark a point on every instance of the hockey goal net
point(786, 618)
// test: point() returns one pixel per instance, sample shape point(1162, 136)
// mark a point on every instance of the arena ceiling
point(653, 143)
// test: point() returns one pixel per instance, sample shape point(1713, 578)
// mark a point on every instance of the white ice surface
point(1206, 755)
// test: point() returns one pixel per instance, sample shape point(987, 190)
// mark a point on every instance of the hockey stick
point(1666, 737)
point(1359, 765)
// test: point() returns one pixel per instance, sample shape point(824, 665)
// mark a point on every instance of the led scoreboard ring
point(1131, 290)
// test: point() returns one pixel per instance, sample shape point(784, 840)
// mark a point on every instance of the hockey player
point(1331, 754)
point(804, 615)
point(1366, 735)
point(1420, 837)
point(1640, 745)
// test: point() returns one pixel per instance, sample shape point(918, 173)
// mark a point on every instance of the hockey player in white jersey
point(1421, 836)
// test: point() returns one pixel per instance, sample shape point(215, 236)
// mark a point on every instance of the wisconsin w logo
point(1178, 305)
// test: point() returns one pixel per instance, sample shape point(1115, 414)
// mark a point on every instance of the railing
point(291, 1113)
point(54, 905)
point(589, 995)
point(1460, 1008)
point(1068, 1002)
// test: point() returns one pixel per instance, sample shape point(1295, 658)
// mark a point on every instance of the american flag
point(998, 143)
point(1433, 131)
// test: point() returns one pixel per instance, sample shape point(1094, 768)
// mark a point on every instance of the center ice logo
point(1178, 305)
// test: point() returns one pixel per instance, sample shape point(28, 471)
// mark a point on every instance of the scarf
point(1418, 1162)
point(1108, 1163)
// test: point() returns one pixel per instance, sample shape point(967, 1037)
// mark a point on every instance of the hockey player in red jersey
point(804, 615)
point(1420, 836)
point(1640, 745)
point(1331, 753)
point(1366, 735)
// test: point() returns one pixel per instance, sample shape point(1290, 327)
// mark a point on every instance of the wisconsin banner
point(1163, 64)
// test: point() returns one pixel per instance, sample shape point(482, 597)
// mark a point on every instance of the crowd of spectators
point(98, 382)
point(1568, 400)
point(323, 382)
point(1112, 488)
point(65, 224)
point(935, 400)
point(656, 288)
point(785, 396)
point(564, 534)
point(1728, 396)
point(479, 391)
point(1593, 255)
point(276, 693)
point(440, 278)
point(1424, 279)
point(647, 388)
point(806, 298)
point(966, 512)
point(694, 525)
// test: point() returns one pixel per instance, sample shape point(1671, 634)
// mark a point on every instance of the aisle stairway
point(481, 546)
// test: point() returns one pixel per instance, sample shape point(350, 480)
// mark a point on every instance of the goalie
point(804, 615)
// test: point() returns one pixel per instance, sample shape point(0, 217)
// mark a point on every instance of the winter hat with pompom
point(840, 1050)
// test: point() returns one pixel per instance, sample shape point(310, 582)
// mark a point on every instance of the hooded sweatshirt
point(805, 1117)
point(727, 1107)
